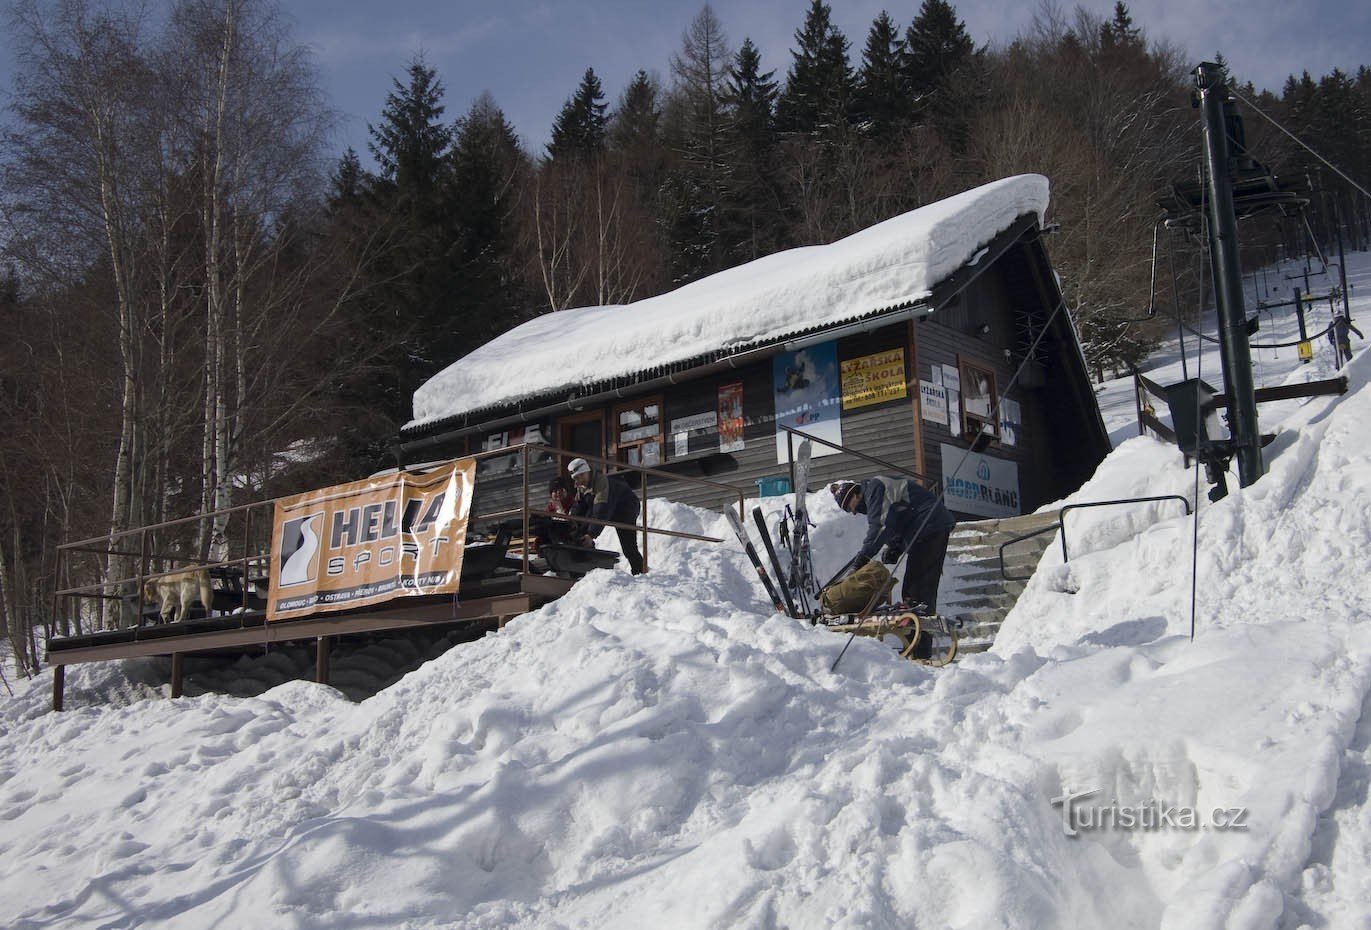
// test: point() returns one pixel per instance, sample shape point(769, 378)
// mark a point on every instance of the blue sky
point(531, 53)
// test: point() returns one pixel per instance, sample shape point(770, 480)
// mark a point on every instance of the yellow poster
point(873, 379)
point(369, 541)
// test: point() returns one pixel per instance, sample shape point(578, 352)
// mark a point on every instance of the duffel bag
point(854, 592)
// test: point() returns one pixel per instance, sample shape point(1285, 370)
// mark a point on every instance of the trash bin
point(1190, 399)
point(773, 486)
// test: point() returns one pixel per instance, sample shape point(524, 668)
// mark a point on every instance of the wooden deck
point(490, 603)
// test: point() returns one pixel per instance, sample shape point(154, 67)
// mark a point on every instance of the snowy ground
point(661, 752)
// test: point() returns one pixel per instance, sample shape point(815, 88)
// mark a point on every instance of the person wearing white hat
point(610, 499)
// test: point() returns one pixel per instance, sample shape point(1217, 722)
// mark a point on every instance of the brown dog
point(177, 591)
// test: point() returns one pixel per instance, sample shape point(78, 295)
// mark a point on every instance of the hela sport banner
point(370, 541)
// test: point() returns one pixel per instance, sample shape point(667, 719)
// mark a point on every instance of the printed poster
point(1011, 421)
point(682, 428)
point(873, 379)
point(731, 417)
point(808, 392)
point(370, 541)
point(933, 402)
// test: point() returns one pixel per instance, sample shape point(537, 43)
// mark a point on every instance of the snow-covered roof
point(892, 264)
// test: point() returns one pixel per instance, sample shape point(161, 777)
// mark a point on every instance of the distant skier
point(610, 499)
point(901, 516)
point(1338, 335)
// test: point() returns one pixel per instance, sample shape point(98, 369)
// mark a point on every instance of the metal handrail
point(120, 534)
point(1125, 500)
point(144, 556)
point(523, 449)
point(1004, 572)
point(1061, 525)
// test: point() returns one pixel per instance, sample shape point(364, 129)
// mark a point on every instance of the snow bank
point(892, 264)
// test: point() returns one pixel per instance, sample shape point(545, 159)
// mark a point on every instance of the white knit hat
point(577, 467)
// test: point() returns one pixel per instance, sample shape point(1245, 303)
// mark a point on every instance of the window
point(637, 431)
point(978, 401)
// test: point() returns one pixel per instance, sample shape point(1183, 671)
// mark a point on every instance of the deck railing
point(121, 563)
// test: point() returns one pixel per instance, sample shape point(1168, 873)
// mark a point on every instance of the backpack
point(854, 592)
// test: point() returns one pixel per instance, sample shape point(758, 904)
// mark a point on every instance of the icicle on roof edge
point(893, 263)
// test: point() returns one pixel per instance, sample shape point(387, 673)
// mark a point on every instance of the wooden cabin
point(936, 342)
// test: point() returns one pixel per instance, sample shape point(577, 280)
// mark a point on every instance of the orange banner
point(370, 541)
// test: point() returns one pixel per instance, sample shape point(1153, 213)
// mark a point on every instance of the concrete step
point(990, 576)
point(981, 596)
point(985, 590)
point(1022, 553)
point(1012, 526)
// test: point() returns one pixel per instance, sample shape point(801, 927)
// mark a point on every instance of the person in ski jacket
point(902, 516)
point(561, 499)
point(1338, 335)
point(609, 498)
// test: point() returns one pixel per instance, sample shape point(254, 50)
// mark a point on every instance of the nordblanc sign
point(983, 485)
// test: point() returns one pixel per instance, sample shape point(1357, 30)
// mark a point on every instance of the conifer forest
point(204, 302)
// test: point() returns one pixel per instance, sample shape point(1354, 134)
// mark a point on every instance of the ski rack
point(1061, 525)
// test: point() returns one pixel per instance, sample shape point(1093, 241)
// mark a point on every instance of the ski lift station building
point(935, 342)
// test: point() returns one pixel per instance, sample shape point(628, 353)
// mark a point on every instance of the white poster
point(1011, 421)
point(933, 402)
point(699, 421)
point(983, 485)
point(952, 379)
point(954, 411)
point(682, 445)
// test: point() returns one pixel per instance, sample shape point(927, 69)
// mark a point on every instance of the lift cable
point(1300, 142)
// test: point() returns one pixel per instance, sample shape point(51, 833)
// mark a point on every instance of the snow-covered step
point(975, 588)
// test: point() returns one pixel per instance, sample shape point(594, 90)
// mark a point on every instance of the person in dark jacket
point(902, 516)
point(610, 498)
point(1338, 334)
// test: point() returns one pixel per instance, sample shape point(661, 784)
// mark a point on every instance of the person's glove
point(859, 561)
point(891, 555)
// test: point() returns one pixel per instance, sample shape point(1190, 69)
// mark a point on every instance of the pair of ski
point(792, 595)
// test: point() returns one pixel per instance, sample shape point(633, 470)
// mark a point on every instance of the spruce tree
point(415, 273)
point(750, 224)
point(487, 167)
point(348, 182)
point(1120, 32)
point(818, 89)
point(935, 46)
point(881, 97)
point(694, 192)
point(580, 128)
point(410, 142)
point(637, 121)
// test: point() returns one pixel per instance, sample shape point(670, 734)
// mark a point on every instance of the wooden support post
point(59, 681)
point(321, 654)
point(178, 673)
